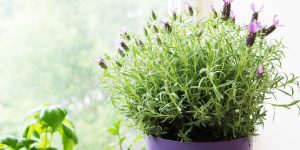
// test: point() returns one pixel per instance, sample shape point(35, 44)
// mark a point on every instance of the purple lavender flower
point(124, 45)
point(226, 9)
point(269, 30)
point(253, 28)
point(260, 71)
point(102, 63)
point(255, 12)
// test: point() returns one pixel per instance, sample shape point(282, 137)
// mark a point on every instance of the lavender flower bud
point(200, 33)
point(254, 16)
point(154, 17)
point(226, 9)
point(250, 39)
point(123, 31)
point(213, 9)
point(269, 30)
point(158, 39)
point(141, 43)
point(174, 15)
point(232, 16)
point(102, 64)
point(119, 64)
point(127, 37)
point(260, 71)
point(145, 32)
point(233, 19)
point(167, 26)
point(255, 12)
point(124, 46)
point(155, 28)
point(121, 52)
point(125, 34)
point(158, 61)
point(191, 11)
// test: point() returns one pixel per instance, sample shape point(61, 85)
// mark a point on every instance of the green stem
point(120, 143)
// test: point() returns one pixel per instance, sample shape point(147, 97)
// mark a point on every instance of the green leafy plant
point(115, 130)
point(13, 143)
point(46, 121)
point(194, 79)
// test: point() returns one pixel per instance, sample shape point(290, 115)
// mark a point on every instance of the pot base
point(153, 143)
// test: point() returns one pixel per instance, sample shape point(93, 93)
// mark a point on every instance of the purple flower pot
point(162, 144)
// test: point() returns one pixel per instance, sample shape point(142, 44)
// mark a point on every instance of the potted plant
point(197, 84)
point(47, 121)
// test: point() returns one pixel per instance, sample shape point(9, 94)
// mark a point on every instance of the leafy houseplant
point(47, 121)
point(115, 130)
point(197, 80)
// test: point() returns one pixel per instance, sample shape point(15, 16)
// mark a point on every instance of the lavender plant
point(195, 79)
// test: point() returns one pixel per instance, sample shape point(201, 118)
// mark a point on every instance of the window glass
point(47, 51)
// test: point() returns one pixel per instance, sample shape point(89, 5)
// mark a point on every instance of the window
point(47, 50)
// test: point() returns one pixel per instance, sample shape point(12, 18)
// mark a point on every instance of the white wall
point(282, 133)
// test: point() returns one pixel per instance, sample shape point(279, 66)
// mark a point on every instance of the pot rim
point(166, 140)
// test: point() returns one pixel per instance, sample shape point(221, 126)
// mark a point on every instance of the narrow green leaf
point(51, 148)
point(138, 138)
point(69, 132)
point(9, 140)
point(24, 143)
point(68, 143)
point(26, 132)
point(287, 105)
point(44, 142)
point(122, 140)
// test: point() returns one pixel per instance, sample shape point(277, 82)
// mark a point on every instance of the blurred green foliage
point(117, 131)
point(46, 56)
point(46, 122)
